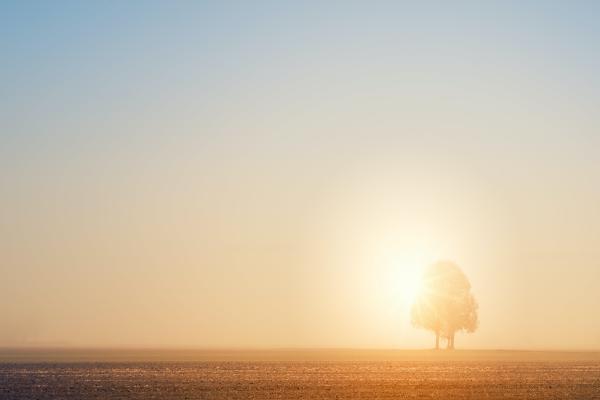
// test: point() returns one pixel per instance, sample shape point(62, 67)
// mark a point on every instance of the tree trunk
point(437, 340)
point(451, 341)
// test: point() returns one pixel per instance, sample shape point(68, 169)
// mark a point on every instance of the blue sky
point(224, 149)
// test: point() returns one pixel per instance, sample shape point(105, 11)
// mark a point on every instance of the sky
point(276, 174)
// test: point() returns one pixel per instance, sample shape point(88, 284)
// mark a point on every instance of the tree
point(445, 304)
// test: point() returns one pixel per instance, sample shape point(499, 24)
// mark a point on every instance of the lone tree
point(445, 304)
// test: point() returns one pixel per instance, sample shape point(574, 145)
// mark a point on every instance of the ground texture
point(302, 379)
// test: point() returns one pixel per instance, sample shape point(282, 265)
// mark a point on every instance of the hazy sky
point(269, 174)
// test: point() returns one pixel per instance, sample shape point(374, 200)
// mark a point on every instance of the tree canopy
point(445, 304)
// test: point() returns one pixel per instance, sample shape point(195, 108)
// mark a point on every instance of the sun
point(403, 277)
point(408, 282)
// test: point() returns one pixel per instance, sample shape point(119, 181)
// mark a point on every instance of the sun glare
point(404, 277)
point(408, 282)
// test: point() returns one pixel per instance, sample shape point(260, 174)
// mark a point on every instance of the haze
point(267, 175)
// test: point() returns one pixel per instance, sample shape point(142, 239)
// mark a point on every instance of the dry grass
point(305, 374)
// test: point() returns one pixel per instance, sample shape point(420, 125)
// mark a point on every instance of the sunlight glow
point(408, 282)
point(404, 268)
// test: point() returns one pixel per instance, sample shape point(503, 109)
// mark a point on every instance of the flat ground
point(297, 374)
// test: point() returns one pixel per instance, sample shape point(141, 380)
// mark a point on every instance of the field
point(288, 374)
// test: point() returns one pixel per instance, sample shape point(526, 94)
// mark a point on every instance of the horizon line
point(284, 348)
